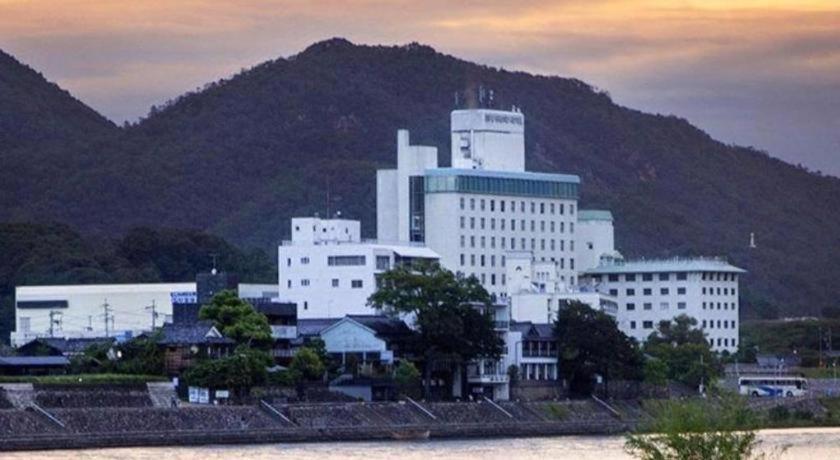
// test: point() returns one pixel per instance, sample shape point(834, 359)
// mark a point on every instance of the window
point(533, 207)
point(680, 291)
point(289, 284)
point(647, 306)
point(463, 220)
point(462, 203)
point(664, 305)
point(631, 292)
point(647, 324)
point(613, 292)
point(502, 205)
point(344, 261)
point(472, 204)
point(335, 282)
point(472, 223)
point(25, 323)
point(681, 305)
point(462, 260)
point(681, 276)
point(304, 282)
point(472, 241)
point(463, 244)
point(632, 325)
point(384, 262)
point(631, 306)
point(304, 260)
point(630, 277)
point(482, 204)
point(356, 284)
point(647, 277)
point(663, 291)
point(613, 277)
point(482, 223)
point(289, 262)
point(664, 276)
point(647, 291)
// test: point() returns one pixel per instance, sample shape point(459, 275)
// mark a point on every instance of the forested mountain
point(243, 155)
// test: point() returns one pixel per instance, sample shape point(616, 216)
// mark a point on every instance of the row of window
point(483, 240)
point(718, 291)
point(662, 306)
point(543, 207)
point(720, 325)
point(536, 188)
point(483, 222)
point(630, 292)
point(482, 260)
point(725, 305)
point(355, 284)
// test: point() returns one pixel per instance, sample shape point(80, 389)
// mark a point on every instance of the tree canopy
point(683, 349)
point(452, 313)
point(589, 343)
point(238, 320)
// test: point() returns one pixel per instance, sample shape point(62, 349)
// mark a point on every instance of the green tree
point(697, 430)
point(307, 365)
point(450, 314)
point(237, 319)
point(589, 343)
point(685, 351)
point(239, 372)
point(655, 372)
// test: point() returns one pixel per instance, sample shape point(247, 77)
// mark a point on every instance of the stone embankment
point(61, 418)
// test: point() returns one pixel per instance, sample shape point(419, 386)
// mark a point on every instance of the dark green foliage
point(589, 343)
point(450, 326)
point(778, 414)
point(239, 372)
point(139, 356)
point(786, 337)
point(237, 320)
point(683, 349)
point(307, 365)
point(35, 254)
point(243, 155)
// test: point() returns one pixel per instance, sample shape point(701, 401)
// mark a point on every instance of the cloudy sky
point(760, 73)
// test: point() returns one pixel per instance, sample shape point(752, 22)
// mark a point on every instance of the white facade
point(595, 238)
point(536, 293)
point(84, 310)
point(650, 291)
point(329, 277)
point(485, 205)
point(348, 336)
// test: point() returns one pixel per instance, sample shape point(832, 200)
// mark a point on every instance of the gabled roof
point(533, 331)
point(383, 326)
point(201, 332)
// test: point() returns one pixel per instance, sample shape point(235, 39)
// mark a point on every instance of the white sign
point(183, 297)
point(222, 394)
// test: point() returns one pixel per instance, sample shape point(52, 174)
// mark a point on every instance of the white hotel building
point(650, 291)
point(329, 271)
point(485, 205)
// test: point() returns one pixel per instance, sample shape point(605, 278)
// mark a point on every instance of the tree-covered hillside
point(243, 155)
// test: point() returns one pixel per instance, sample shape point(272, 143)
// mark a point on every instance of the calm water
point(811, 444)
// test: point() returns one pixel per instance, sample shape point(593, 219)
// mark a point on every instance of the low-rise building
point(329, 271)
point(651, 291)
point(184, 344)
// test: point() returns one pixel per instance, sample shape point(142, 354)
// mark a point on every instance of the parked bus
point(769, 385)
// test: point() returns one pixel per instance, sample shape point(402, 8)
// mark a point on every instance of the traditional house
point(185, 343)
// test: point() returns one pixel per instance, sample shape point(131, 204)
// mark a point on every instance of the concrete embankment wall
point(74, 427)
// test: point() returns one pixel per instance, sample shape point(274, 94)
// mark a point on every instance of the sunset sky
point(761, 73)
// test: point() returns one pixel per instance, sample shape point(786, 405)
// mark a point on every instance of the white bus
point(768, 385)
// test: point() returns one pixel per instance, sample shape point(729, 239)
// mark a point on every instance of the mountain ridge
point(243, 155)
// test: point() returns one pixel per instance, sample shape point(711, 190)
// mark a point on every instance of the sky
point(749, 72)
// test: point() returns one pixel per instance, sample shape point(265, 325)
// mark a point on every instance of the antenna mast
point(106, 309)
point(55, 320)
point(154, 310)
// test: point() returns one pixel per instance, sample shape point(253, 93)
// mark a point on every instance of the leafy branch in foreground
point(699, 430)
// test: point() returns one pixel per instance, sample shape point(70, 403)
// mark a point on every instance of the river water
point(810, 444)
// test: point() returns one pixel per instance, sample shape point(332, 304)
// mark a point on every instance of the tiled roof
point(188, 334)
point(34, 361)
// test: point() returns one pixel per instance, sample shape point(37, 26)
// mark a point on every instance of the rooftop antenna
point(155, 314)
point(106, 309)
point(752, 241)
point(213, 271)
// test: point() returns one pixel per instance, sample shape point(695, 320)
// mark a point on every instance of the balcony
point(539, 353)
point(283, 332)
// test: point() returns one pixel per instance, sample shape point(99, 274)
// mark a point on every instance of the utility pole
point(106, 309)
point(155, 313)
point(55, 319)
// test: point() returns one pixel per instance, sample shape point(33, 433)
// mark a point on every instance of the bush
point(778, 414)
